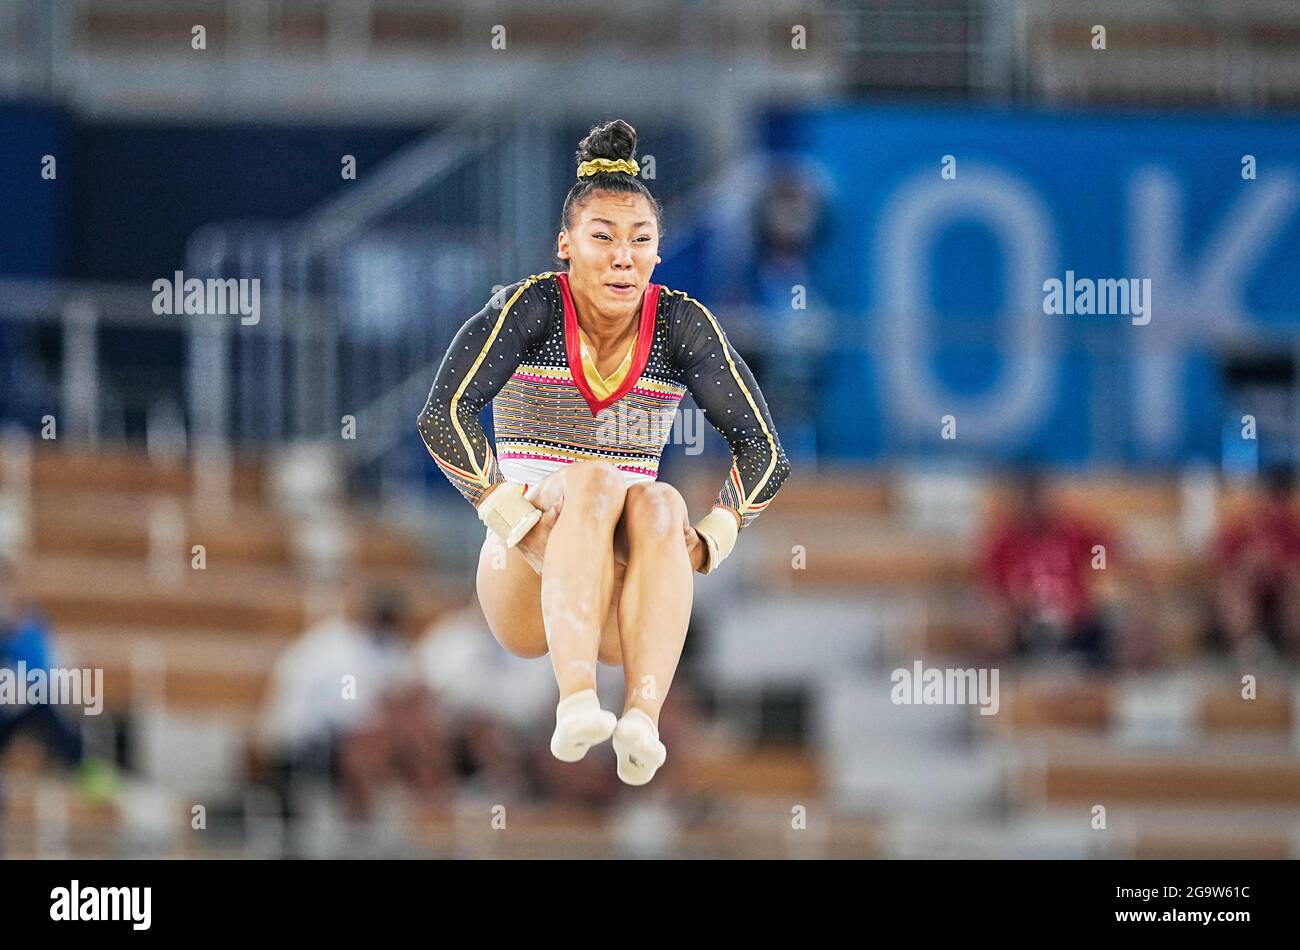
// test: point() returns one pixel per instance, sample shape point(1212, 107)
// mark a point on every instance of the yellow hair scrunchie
point(597, 165)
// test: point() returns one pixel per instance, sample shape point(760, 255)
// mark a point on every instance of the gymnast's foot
point(637, 745)
point(580, 723)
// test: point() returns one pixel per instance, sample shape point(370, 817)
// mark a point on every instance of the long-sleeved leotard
point(523, 352)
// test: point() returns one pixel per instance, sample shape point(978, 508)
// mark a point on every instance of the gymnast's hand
point(696, 548)
point(533, 545)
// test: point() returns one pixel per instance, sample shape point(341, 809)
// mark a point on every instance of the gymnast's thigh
point(510, 592)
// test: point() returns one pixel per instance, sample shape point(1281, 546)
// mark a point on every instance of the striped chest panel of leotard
point(523, 355)
point(554, 409)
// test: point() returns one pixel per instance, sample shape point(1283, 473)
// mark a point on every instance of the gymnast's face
point(612, 250)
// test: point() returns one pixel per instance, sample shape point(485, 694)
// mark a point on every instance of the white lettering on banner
point(1202, 300)
point(1202, 292)
point(913, 218)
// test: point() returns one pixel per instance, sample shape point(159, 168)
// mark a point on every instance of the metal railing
point(360, 298)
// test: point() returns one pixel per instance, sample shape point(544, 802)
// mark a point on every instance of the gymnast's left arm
point(726, 392)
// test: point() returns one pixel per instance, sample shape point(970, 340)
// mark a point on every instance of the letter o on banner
point(912, 219)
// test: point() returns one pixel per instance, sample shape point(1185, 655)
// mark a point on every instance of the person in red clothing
point(1256, 561)
point(1040, 565)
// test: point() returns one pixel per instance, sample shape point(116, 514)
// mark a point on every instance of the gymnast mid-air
point(587, 556)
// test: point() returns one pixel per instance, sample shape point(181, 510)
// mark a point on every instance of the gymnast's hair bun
point(614, 140)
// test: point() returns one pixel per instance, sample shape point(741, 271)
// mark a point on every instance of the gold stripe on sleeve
point(481, 473)
point(771, 443)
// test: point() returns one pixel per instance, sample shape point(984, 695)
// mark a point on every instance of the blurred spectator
point(787, 333)
point(340, 709)
point(1038, 565)
point(502, 714)
point(27, 392)
point(502, 711)
point(1256, 559)
point(25, 639)
point(404, 740)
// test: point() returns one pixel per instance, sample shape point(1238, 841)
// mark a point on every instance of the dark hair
point(385, 606)
point(614, 140)
point(1278, 478)
point(1028, 482)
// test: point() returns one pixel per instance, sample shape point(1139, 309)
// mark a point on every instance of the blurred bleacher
point(186, 654)
point(889, 576)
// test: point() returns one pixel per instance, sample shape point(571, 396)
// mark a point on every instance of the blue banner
point(1045, 286)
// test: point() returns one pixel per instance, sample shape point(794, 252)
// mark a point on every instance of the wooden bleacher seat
point(1228, 712)
point(1053, 704)
point(128, 470)
point(1193, 778)
point(1192, 845)
point(91, 522)
point(1092, 704)
point(774, 770)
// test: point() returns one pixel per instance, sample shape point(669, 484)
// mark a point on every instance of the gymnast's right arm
point(482, 356)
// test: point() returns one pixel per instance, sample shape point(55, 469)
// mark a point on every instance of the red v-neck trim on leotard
point(573, 345)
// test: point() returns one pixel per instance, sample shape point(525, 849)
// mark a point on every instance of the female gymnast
point(587, 556)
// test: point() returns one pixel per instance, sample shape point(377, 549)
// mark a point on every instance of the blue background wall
point(1146, 196)
point(34, 211)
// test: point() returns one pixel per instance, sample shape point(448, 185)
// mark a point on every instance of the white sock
point(637, 745)
point(580, 723)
